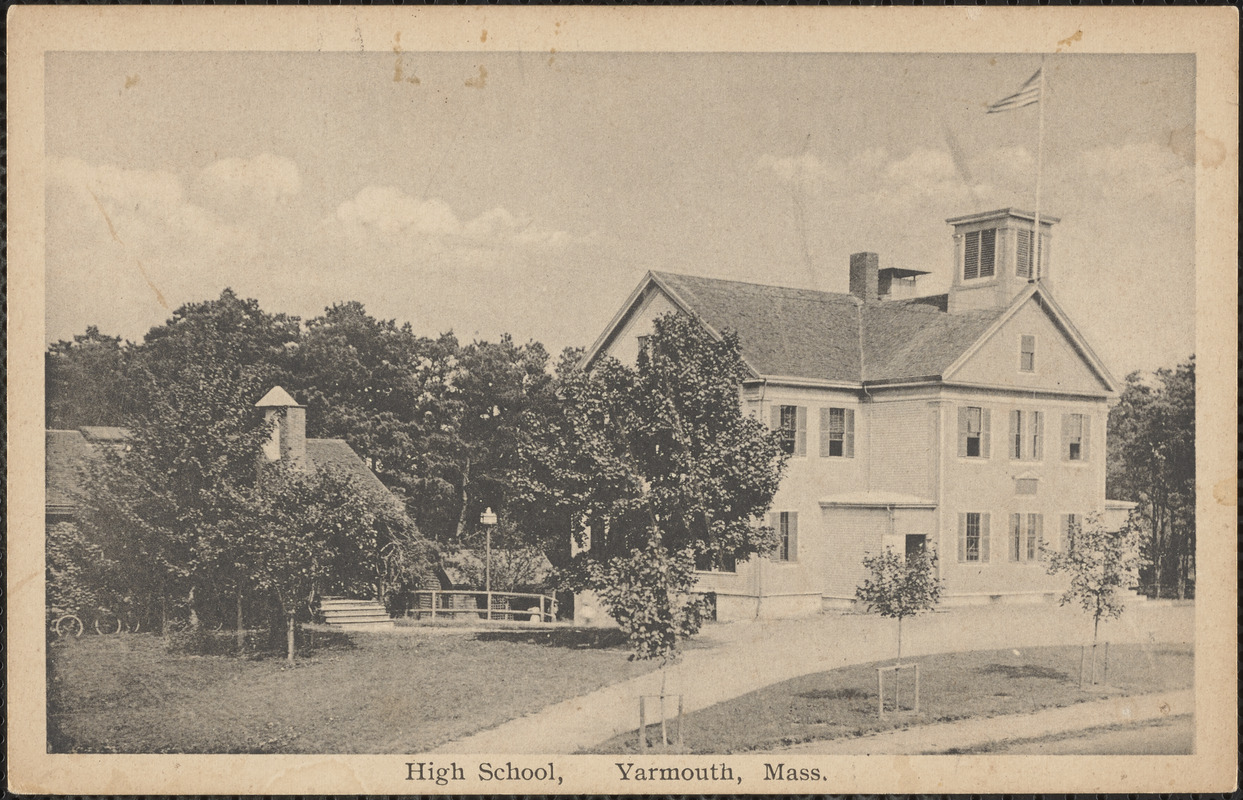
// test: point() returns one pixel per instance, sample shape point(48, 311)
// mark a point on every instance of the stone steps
point(349, 613)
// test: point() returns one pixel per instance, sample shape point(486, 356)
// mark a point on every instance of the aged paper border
point(1210, 33)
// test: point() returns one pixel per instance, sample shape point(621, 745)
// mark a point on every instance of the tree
point(1101, 565)
point(900, 586)
point(653, 467)
point(365, 380)
point(85, 381)
point(1152, 462)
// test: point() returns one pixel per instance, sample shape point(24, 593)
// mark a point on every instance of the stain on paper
point(1187, 143)
point(1226, 492)
point(483, 36)
point(1077, 36)
point(399, 74)
point(159, 296)
point(480, 81)
point(131, 81)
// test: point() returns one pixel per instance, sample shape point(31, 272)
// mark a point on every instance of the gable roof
point(67, 453)
point(833, 337)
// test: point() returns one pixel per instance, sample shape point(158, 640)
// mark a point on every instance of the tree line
point(1151, 462)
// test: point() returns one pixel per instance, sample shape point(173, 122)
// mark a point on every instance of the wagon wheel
point(120, 626)
point(68, 625)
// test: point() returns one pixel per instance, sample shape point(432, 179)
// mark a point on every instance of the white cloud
point(389, 212)
point(264, 180)
point(806, 168)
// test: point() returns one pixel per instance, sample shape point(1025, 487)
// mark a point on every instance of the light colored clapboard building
point(972, 421)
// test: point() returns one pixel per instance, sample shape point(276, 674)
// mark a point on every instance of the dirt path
point(732, 659)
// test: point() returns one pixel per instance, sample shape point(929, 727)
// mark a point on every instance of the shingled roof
point(831, 336)
point(69, 451)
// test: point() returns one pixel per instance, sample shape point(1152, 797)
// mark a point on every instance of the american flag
point(1028, 94)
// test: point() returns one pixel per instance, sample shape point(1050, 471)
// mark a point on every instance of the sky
point(528, 193)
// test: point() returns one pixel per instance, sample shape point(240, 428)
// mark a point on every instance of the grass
point(1163, 736)
point(364, 693)
point(953, 686)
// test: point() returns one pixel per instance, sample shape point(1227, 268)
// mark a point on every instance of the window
point(979, 254)
point(973, 537)
point(642, 342)
point(1025, 256)
point(837, 432)
point(792, 422)
point(973, 432)
point(716, 562)
point(1076, 435)
point(1070, 524)
point(1026, 440)
point(786, 525)
point(1027, 353)
point(1025, 533)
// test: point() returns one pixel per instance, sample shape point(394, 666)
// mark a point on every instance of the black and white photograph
point(475, 401)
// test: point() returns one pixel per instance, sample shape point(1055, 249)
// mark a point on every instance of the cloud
point(241, 187)
point(389, 212)
point(806, 168)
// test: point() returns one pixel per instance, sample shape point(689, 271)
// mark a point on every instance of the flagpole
point(1035, 272)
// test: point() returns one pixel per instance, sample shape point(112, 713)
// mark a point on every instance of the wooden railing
point(450, 604)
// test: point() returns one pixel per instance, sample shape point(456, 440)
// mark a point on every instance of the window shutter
point(971, 256)
point(1016, 535)
point(1044, 256)
point(776, 417)
point(848, 448)
point(986, 428)
point(962, 431)
point(793, 517)
point(824, 433)
point(1037, 425)
point(1016, 434)
point(1066, 437)
point(984, 555)
point(800, 431)
point(1087, 437)
point(962, 538)
point(988, 252)
point(1023, 262)
point(1063, 533)
point(1035, 535)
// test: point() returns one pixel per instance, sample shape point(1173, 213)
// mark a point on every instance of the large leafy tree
point(1152, 463)
point(475, 418)
point(363, 380)
point(85, 381)
point(1101, 565)
point(653, 467)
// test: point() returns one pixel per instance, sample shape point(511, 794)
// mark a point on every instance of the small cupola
point(995, 257)
point(288, 419)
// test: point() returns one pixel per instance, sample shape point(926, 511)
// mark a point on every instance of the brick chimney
point(288, 440)
point(863, 276)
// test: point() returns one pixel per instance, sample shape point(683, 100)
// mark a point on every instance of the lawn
point(842, 702)
point(364, 693)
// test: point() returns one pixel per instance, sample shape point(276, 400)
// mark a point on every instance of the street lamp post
point(488, 520)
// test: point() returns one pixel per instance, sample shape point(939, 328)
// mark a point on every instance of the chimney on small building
point(864, 269)
point(288, 420)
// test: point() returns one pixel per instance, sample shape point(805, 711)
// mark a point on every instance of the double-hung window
point(791, 421)
point(979, 254)
point(1076, 436)
point(1025, 533)
point(786, 525)
point(1027, 353)
point(973, 537)
point(837, 433)
point(973, 432)
point(716, 562)
point(1026, 439)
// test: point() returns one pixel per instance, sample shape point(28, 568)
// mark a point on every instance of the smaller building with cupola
point(972, 422)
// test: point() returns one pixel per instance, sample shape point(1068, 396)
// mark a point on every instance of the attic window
point(1027, 353)
point(980, 254)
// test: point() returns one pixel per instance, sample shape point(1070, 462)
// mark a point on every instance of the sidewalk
point(729, 660)
point(969, 733)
